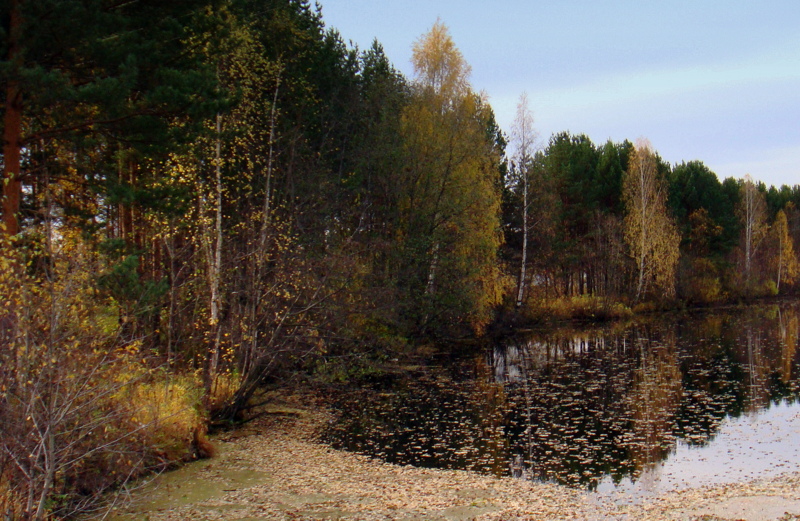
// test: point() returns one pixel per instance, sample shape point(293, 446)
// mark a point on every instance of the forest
point(205, 198)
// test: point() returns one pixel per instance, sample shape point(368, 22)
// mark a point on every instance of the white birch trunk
point(430, 288)
point(524, 264)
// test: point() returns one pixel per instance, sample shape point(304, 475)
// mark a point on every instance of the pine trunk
point(12, 131)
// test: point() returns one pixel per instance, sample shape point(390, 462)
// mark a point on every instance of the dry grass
point(167, 407)
point(584, 308)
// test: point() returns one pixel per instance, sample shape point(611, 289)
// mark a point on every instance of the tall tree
point(570, 163)
point(608, 258)
point(450, 193)
point(753, 216)
point(524, 137)
point(651, 234)
point(694, 187)
point(785, 258)
point(12, 123)
point(110, 71)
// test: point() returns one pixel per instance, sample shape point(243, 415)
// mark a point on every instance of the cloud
point(651, 85)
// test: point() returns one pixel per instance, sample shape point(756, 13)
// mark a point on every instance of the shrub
point(165, 409)
point(82, 410)
point(588, 308)
point(703, 285)
point(769, 289)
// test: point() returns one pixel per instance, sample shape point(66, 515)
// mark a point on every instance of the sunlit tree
point(650, 233)
point(785, 260)
point(450, 199)
point(524, 137)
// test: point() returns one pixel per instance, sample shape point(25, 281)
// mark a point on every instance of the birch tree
point(650, 233)
point(212, 243)
point(524, 137)
point(449, 194)
point(785, 261)
point(752, 212)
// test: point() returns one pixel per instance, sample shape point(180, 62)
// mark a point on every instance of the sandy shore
point(276, 469)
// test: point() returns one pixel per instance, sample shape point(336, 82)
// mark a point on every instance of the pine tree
point(94, 74)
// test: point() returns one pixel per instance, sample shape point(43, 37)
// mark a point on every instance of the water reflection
point(653, 402)
point(593, 409)
point(788, 334)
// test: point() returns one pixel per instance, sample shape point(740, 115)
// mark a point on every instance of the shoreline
point(275, 468)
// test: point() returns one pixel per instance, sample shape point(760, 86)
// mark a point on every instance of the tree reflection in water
point(653, 401)
point(582, 408)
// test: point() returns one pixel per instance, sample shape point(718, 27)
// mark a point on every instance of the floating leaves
point(580, 409)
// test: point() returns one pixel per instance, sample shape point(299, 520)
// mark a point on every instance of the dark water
point(637, 409)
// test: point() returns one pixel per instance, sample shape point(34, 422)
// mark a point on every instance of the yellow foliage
point(66, 372)
point(449, 200)
point(167, 408)
point(584, 307)
point(785, 261)
point(650, 233)
point(704, 285)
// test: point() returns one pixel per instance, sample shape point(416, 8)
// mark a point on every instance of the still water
point(632, 410)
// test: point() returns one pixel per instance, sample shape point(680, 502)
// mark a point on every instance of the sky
point(710, 80)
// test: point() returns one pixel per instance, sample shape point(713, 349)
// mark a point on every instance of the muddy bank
point(276, 469)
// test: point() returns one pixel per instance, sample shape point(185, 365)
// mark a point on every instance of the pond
point(628, 410)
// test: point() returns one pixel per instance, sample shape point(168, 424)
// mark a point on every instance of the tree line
point(223, 190)
point(618, 223)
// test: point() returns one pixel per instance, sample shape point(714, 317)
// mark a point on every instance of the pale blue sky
point(714, 80)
